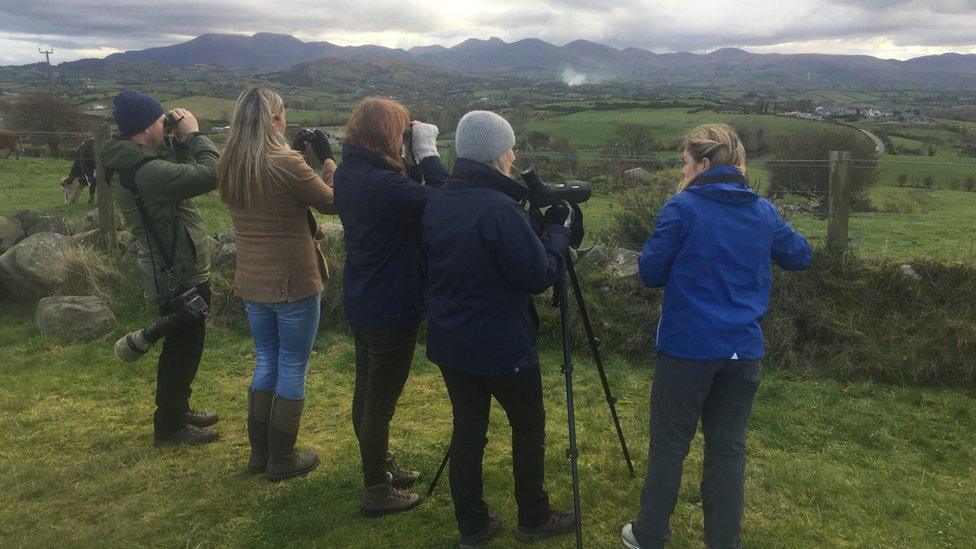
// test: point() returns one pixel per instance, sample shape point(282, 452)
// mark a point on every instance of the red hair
point(378, 124)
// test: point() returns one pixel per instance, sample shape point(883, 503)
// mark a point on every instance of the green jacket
point(167, 181)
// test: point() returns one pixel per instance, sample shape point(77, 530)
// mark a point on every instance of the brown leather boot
point(384, 499)
point(400, 477)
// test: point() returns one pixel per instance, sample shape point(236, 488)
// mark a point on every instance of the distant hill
point(588, 61)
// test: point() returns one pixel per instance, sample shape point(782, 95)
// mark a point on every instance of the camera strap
point(127, 178)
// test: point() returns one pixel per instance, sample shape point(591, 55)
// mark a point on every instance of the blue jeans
point(283, 334)
point(720, 392)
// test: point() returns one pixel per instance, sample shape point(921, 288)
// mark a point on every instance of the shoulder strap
point(127, 178)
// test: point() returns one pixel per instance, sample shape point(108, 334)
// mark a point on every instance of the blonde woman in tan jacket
point(280, 270)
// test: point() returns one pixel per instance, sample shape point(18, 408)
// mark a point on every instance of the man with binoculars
point(153, 185)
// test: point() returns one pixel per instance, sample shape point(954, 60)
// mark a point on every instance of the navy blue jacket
point(484, 262)
point(380, 209)
point(712, 249)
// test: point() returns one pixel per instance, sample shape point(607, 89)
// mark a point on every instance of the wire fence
point(898, 204)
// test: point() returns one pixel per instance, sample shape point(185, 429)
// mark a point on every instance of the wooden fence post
point(839, 201)
point(107, 235)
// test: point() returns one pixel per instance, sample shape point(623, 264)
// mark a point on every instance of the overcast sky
point(884, 28)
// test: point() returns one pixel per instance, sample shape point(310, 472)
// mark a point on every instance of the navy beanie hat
point(135, 111)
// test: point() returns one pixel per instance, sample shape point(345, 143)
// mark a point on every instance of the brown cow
point(10, 141)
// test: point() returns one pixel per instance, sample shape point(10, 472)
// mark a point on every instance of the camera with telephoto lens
point(186, 308)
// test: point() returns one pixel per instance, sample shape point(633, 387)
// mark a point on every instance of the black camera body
point(186, 307)
point(169, 123)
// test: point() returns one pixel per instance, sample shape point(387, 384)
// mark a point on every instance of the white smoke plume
point(573, 78)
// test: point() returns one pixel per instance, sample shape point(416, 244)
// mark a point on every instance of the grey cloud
point(653, 24)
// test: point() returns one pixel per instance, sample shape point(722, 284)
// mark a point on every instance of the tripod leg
point(572, 452)
point(598, 358)
point(440, 470)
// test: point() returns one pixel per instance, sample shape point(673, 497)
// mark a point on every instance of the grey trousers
point(720, 393)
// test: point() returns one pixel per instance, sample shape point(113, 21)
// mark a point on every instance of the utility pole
point(50, 74)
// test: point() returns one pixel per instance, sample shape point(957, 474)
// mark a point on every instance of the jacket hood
point(475, 174)
point(119, 154)
point(727, 192)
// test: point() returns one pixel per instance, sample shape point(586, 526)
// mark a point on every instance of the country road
point(879, 146)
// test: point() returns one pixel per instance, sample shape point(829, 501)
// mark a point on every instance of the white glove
point(424, 140)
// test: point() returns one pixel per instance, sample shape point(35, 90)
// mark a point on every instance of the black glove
point(560, 214)
point(317, 139)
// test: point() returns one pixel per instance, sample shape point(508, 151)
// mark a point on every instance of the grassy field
point(592, 129)
point(832, 464)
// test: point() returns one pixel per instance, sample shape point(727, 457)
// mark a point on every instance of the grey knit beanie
point(483, 136)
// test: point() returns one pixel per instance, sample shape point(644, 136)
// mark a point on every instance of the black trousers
point(720, 394)
point(383, 359)
point(521, 397)
point(178, 363)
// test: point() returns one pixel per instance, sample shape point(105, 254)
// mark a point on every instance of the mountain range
point(580, 61)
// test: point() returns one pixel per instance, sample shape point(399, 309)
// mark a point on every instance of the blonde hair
point(245, 167)
point(378, 124)
point(716, 142)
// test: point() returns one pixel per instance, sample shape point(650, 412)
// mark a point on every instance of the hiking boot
point(399, 477)
point(384, 499)
point(559, 522)
point(258, 422)
point(200, 419)
point(627, 536)
point(187, 434)
point(283, 461)
point(479, 540)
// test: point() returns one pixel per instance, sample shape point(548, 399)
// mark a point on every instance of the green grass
point(831, 463)
point(592, 129)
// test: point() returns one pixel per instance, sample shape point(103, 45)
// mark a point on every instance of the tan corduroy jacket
point(278, 257)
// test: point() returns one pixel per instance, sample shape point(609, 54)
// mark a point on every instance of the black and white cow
point(82, 174)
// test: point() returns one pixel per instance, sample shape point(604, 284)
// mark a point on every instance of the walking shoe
point(384, 499)
point(258, 423)
point(559, 522)
point(188, 434)
point(479, 540)
point(627, 536)
point(283, 461)
point(200, 419)
point(399, 477)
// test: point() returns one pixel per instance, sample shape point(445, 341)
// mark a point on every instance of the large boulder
point(52, 224)
point(11, 232)
point(129, 263)
point(34, 268)
point(75, 317)
point(228, 236)
point(623, 263)
point(226, 255)
point(90, 221)
point(29, 218)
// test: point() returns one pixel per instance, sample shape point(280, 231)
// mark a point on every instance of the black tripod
point(561, 298)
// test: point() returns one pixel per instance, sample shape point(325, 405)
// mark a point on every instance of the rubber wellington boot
point(258, 423)
point(283, 460)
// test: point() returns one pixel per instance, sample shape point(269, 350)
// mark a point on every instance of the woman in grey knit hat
point(485, 261)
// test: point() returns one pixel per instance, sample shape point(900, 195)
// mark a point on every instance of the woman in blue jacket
point(484, 263)
point(711, 250)
point(380, 201)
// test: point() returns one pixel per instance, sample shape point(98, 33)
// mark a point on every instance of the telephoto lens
point(187, 307)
